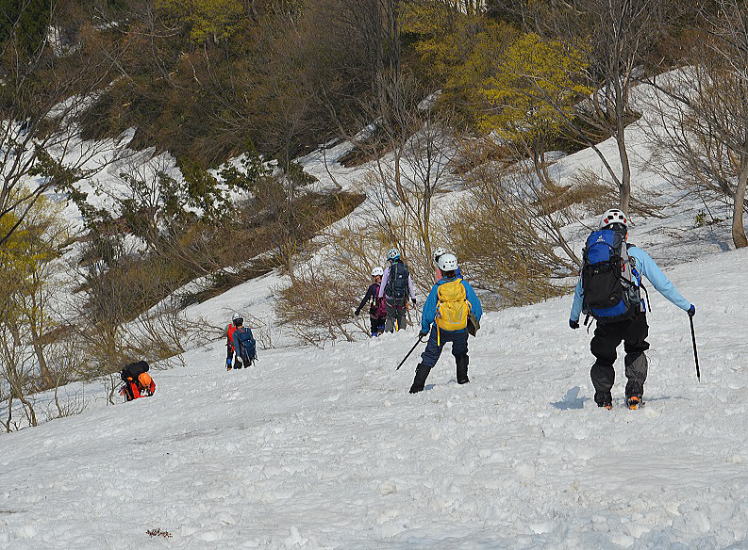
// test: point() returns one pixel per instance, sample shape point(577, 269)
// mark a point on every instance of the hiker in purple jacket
point(396, 288)
point(378, 307)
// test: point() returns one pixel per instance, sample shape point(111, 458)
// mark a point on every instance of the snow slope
point(671, 238)
point(326, 449)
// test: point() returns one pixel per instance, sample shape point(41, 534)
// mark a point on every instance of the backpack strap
point(649, 304)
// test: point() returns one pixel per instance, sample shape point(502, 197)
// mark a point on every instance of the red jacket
point(230, 336)
point(134, 391)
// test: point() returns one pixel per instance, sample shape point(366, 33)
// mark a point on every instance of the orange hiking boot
point(634, 402)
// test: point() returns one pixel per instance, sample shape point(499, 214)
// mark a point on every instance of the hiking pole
point(420, 338)
point(695, 353)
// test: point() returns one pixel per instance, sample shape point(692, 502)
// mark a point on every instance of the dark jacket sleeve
point(368, 296)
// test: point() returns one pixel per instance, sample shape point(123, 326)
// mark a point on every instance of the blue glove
point(574, 324)
point(423, 333)
point(692, 310)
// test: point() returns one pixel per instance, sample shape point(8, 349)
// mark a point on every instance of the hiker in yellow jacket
point(449, 305)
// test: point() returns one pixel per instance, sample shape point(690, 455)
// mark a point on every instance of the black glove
point(423, 333)
point(357, 312)
point(574, 324)
point(413, 300)
point(692, 310)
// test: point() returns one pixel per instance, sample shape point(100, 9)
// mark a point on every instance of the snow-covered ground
point(326, 449)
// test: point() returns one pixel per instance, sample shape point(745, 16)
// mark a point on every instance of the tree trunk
point(44, 373)
point(738, 228)
point(624, 185)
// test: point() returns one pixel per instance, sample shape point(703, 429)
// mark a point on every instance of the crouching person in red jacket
point(138, 383)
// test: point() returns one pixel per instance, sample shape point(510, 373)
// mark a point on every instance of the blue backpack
point(244, 345)
point(610, 282)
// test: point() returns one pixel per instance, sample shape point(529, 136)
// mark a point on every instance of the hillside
point(165, 164)
point(325, 448)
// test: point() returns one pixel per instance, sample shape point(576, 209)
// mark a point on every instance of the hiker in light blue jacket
point(613, 299)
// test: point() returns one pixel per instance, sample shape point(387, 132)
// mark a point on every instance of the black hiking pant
point(608, 336)
point(377, 325)
point(395, 317)
point(232, 359)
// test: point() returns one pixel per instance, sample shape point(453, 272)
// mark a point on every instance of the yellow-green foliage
point(206, 18)
point(12, 253)
point(17, 255)
point(535, 86)
point(22, 256)
point(457, 51)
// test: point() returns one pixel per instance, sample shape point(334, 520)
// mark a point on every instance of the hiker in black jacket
point(377, 305)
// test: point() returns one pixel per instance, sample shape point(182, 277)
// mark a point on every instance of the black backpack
point(396, 290)
point(133, 370)
point(610, 282)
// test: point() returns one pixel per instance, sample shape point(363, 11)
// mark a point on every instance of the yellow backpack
point(453, 308)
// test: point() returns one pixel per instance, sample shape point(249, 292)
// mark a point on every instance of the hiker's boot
point(633, 402)
point(604, 399)
point(422, 372)
point(462, 369)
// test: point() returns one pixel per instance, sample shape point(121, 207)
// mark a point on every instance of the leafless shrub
point(17, 372)
point(508, 239)
point(588, 192)
point(262, 331)
point(70, 406)
point(314, 304)
point(111, 383)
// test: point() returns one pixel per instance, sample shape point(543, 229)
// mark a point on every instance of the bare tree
point(702, 114)
point(616, 35)
point(314, 304)
point(413, 146)
point(43, 92)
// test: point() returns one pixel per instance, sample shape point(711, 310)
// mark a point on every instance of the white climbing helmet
point(448, 262)
point(393, 254)
point(236, 316)
point(439, 252)
point(377, 272)
point(613, 216)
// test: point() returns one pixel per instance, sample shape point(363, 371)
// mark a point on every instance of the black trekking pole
point(695, 353)
point(420, 338)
